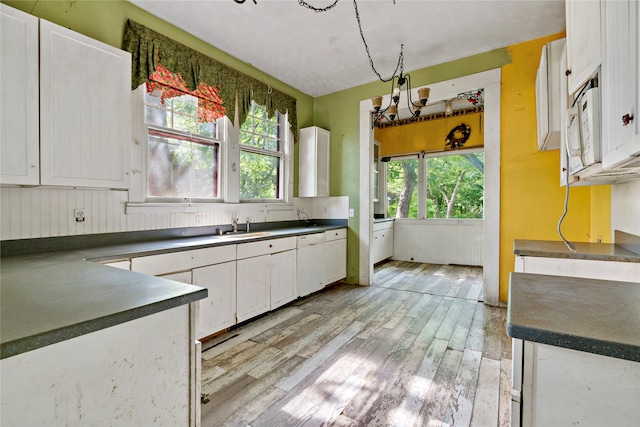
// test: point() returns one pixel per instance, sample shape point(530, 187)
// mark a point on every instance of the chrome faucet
point(234, 225)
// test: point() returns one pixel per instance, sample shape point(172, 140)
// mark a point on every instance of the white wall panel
point(48, 212)
point(439, 241)
point(625, 207)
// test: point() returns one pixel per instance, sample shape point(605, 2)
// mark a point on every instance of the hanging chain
point(399, 65)
point(317, 9)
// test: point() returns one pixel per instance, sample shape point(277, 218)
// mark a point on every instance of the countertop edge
point(34, 342)
point(572, 342)
point(584, 250)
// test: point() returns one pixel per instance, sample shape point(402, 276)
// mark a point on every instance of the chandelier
point(398, 82)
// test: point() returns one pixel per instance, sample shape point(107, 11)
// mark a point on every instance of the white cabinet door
point(311, 272)
point(218, 310)
point(19, 109)
point(336, 256)
point(253, 287)
point(583, 41)
point(85, 110)
point(283, 278)
point(563, 387)
point(314, 154)
point(620, 82)
point(382, 244)
point(549, 106)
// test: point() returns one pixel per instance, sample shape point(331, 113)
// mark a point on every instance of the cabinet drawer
point(335, 234)
point(183, 260)
point(383, 225)
point(264, 247)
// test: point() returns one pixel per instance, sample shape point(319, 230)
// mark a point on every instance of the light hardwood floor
point(417, 348)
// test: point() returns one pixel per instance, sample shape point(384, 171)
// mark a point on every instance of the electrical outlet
point(79, 214)
point(351, 213)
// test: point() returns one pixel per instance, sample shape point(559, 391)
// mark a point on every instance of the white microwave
point(583, 131)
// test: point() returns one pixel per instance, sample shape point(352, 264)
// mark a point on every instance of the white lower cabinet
point(382, 241)
point(283, 278)
point(127, 374)
point(254, 287)
point(558, 386)
point(266, 276)
point(563, 387)
point(336, 255)
point(249, 279)
point(218, 310)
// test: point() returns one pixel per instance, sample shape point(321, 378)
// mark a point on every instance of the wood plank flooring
point(417, 348)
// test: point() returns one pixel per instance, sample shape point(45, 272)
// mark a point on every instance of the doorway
point(490, 81)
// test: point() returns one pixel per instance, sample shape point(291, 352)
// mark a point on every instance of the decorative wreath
point(458, 136)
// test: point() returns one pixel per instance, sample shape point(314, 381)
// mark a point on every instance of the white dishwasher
point(311, 264)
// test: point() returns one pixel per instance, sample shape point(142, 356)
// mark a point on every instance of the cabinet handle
point(270, 246)
point(566, 73)
point(626, 119)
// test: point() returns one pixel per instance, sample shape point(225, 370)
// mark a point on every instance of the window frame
point(281, 154)
point(422, 184)
point(228, 137)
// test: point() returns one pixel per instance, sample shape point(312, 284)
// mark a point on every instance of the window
point(452, 186)
point(183, 152)
point(261, 155)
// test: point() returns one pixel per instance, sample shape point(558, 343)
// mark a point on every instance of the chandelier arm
point(409, 100)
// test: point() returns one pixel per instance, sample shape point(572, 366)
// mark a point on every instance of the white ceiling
point(321, 53)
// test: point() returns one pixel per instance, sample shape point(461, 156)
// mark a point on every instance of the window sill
point(134, 208)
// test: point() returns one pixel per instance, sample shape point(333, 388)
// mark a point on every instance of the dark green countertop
point(48, 297)
point(595, 316)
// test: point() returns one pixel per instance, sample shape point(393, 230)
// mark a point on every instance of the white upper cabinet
point(19, 127)
point(85, 110)
point(583, 41)
point(548, 96)
point(314, 152)
point(619, 82)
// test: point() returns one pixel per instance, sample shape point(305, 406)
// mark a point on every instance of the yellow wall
point(531, 197)
point(428, 136)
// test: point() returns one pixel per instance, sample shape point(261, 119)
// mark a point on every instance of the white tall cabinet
point(620, 81)
point(314, 153)
point(78, 131)
point(85, 110)
point(583, 41)
point(19, 116)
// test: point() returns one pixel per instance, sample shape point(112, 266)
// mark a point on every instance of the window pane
point(455, 186)
point(402, 188)
point(181, 168)
point(259, 176)
point(179, 113)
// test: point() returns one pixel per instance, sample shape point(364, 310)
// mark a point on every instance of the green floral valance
point(148, 48)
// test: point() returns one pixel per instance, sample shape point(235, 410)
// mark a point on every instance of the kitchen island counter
point(594, 316)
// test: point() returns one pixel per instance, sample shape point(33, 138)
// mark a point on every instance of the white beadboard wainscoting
point(27, 213)
point(439, 241)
